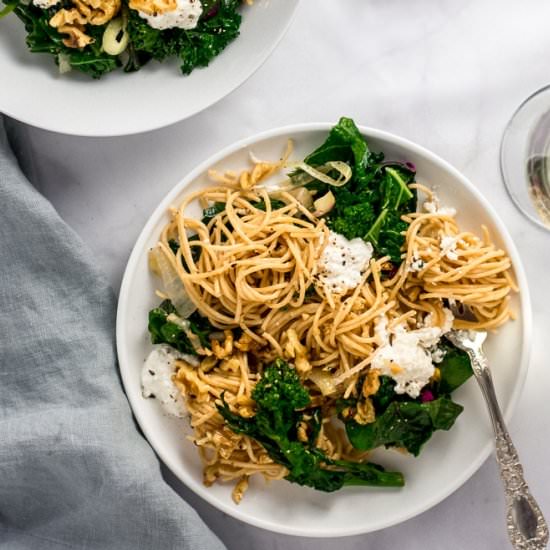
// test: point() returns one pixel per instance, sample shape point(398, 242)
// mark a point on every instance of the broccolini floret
point(280, 398)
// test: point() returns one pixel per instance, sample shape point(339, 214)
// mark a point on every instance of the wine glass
point(525, 157)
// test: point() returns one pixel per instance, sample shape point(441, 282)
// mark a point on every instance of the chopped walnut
point(371, 383)
point(72, 21)
point(244, 343)
point(76, 37)
point(240, 489)
point(246, 412)
point(153, 7)
point(189, 380)
point(244, 400)
point(293, 349)
point(98, 12)
point(302, 432)
point(233, 364)
point(227, 349)
point(364, 412)
point(209, 475)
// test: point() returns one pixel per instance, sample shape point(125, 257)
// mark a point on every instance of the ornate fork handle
point(527, 527)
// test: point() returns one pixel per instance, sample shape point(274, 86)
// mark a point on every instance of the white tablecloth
point(443, 73)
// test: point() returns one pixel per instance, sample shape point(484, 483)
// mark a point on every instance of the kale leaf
point(407, 424)
point(455, 369)
point(43, 38)
point(372, 203)
point(165, 332)
point(275, 204)
point(279, 396)
point(212, 211)
point(195, 47)
point(8, 8)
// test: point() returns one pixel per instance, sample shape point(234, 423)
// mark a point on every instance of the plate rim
point(289, 130)
point(153, 126)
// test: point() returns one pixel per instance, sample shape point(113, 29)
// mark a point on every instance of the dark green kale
point(195, 250)
point(165, 332)
point(407, 424)
point(371, 204)
point(218, 26)
point(136, 59)
point(454, 369)
point(275, 204)
point(43, 38)
point(195, 47)
point(280, 398)
point(402, 421)
point(8, 8)
point(212, 211)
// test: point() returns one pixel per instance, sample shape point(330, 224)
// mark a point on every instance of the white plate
point(119, 104)
point(449, 458)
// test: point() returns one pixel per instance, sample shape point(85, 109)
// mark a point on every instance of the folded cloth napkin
point(74, 470)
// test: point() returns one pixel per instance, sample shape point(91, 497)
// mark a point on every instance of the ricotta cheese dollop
point(342, 263)
point(434, 207)
point(185, 16)
point(45, 4)
point(408, 356)
point(407, 360)
point(156, 378)
point(448, 247)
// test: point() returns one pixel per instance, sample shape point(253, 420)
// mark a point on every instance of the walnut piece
point(371, 383)
point(72, 21)
point(153, 7)
point(227, 349)
point(293, 349)
point(365, 412)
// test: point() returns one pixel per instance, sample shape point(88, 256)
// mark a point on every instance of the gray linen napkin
point(74, 471)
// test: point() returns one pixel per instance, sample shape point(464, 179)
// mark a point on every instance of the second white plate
point(158, 95)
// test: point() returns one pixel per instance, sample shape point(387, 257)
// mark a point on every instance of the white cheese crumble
point(447, 322)
point(448, 247)
point(45, 4)
point(156, 378)
point(417, 264)
point(408, 356)
point(381, 330)
point(433, 207)
point(343, 262)
point(185, 16)
point(407, 359)
point(438, 355)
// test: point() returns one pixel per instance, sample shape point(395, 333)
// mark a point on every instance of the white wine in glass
point(525, 157)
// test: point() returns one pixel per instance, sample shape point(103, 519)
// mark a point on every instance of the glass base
point(525, 157)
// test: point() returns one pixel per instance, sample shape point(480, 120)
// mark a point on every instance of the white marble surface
point(443, 73)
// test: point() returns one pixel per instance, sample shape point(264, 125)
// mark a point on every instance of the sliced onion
point(323, 205)
point(152, 261)
point(323, 380)
point(173, 287)
point(303, 196)
point(115, 37)
point(320, 173)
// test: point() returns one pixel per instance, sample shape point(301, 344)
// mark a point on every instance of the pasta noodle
point(257, 273)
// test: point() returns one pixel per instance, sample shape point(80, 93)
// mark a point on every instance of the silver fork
point(527, 528)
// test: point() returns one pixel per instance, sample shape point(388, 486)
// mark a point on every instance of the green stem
point(7, 10)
